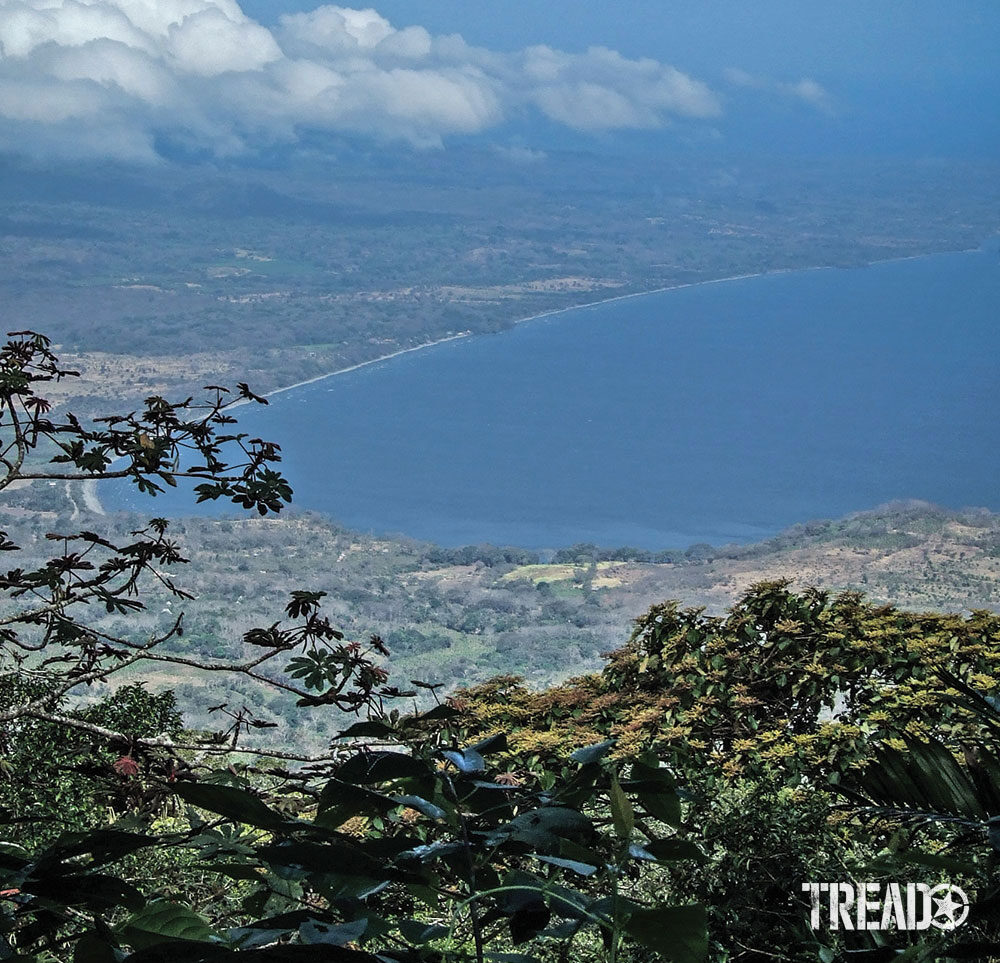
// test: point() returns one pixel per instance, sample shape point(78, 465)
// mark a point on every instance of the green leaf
point(583, 869)
point(341, 859)
point(593, 753)
point(579, 854)
point(103, 845)
point(497, 743)
point(926, 778)
point(465, 760)
point(90, 948)
point(96, 891)
point(544, 828)
point(314, 931)
point(230, 801)
point(621, 811)
point(339, 801)
point(528, 921)
point(437, 714)
point(670, 850)
point(421, 805)
point(367, 768)
point(162, 920)
point(372, 728)
point(419, 932)
point(656, 791)
point(680, 933)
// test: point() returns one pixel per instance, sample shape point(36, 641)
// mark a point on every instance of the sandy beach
point(355, 367)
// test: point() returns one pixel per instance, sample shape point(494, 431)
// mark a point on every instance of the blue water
point(719, 412)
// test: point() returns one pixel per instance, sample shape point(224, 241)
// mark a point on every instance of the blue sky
point(232, 77)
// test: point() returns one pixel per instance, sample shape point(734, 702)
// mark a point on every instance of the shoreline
point(355, 367)
point(91, 499)
point(739, 277)
point(643, 294)
point(592, 304)
point(89, 487)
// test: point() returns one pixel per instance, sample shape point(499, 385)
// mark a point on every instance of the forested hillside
point(459, 615)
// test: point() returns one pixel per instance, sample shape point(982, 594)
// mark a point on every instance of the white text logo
point(877, 906)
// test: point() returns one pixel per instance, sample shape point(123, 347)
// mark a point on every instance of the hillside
point(457, 616)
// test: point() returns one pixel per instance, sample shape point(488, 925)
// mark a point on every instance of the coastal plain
point(458, 616)
point(319, 268)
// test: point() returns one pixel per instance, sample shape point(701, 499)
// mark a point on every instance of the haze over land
point(336, 184)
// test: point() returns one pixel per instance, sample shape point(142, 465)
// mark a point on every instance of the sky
point(141, 79)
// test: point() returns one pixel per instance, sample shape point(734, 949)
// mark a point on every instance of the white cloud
point(806, 90)
point(123, 72)
point(602, 90)
point(209, 43)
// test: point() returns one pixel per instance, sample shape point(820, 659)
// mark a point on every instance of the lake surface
point(713, 413)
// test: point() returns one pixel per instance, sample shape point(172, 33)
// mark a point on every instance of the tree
point(400, 844)
point(765, 712)
point(793, 683)
point(45, 636)
point(937, 809)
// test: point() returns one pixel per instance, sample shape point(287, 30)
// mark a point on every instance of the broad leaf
point(621, 811)
point(583, 869)
point(163, 920)
point(594, 753)
point(465, 760)
point(314, 931)
point(680, 933)
point(230, 801)
point(370, 729)
point(367, 768)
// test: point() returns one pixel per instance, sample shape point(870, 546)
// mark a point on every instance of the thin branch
point(165, 742)
point(22, 450)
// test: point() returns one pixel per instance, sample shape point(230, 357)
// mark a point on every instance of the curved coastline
point(360, 364)
point(591, 304)
point(92, 500)
point(734, 277)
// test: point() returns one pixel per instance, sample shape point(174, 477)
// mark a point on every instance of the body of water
point(718, 412)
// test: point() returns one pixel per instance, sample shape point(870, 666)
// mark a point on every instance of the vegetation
point(669, 807)
point(462, 615)
point(341, 853)
point(320, 266)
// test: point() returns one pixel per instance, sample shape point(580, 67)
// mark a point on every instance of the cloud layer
point(110, 77)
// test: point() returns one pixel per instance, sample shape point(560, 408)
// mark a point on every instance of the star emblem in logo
point(951, 906)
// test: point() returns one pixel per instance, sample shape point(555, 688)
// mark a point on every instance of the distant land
point(160, 280)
